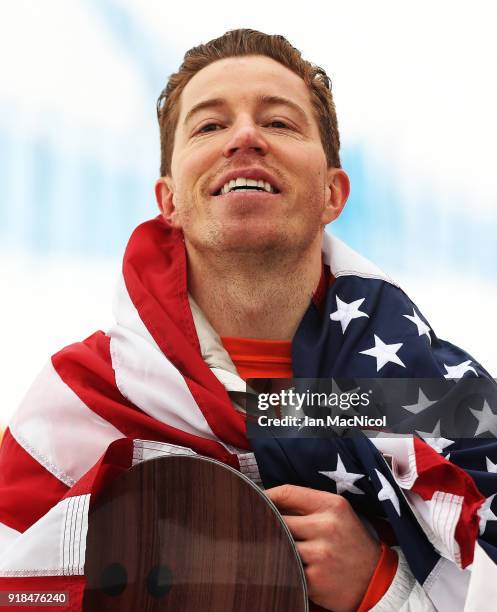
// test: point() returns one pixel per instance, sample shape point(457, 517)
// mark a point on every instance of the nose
point(246, 136)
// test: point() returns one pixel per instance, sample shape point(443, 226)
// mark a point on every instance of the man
point(234, 280)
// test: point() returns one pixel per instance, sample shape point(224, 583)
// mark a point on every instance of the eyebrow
point(263, 100)
point(206, 104)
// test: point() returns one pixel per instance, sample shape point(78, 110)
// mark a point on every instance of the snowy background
point(416, 92)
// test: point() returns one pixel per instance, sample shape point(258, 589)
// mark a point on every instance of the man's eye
point(278, 124)
point(210, 127)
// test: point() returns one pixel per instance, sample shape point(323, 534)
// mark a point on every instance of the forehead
point(243, 78)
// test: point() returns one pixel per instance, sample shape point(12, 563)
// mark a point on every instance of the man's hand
point(338, 552)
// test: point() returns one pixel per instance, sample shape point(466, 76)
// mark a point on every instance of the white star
point(423, 329)
point(487, 420)
point(491, 466)
point(387, 492)
point(423, 402)
point(344, 480)
point(346, 312)
point(459, 370)
point(485, 513)
point(384, 353)
point(434, 439)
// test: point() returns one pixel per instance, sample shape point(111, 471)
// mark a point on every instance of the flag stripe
point(7, 536)
point(155, 274)
point(483, 584)
point(447, 586)
point(51, 422)
point(344, 261)
point(27, 489)
point(400, 450)
point(436, 473)
point(54, 545)
point(147, 378)
point(86, 367)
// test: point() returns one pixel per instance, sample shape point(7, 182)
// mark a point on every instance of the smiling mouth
point(244, 184)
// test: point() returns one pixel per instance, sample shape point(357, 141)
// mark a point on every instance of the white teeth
point(245, 182)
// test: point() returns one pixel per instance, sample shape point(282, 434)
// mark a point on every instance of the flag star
point(434, 439)
point(344, 480)
point(387, 492)
point(491, 466)
point(422, 404)
point(487, 420)
point(423, 329)
point(459, 370)
point(346, 312)
point(383, 353)
point(485, 513)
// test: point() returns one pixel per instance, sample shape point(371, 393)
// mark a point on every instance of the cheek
point(195, 166)
point(314, 182)
point(308, 164)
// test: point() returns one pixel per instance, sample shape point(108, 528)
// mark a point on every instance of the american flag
point(150, 386)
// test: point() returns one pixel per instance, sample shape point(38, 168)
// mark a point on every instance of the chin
point(276, 244)
point(255, 236)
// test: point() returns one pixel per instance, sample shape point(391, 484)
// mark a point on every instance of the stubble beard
point(243, 245)
point(255, 277)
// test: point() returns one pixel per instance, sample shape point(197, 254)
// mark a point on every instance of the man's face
point(248, 168)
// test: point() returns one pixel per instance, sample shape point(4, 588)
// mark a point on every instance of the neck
point(254, 295)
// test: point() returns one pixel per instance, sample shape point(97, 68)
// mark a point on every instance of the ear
point(337, 192)
point(164, 194)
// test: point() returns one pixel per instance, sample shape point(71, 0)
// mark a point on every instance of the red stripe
point(155, 273)
point(117, 459)
point(27, 489)
point(437, 474)
point(86, 367)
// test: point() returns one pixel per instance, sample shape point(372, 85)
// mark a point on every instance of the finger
point(301, 527)
point(299, 500)
point(314, 552)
